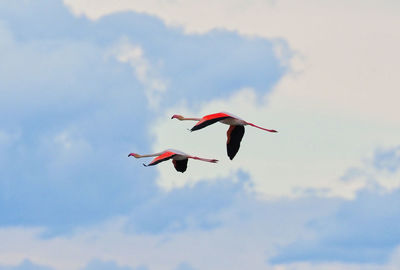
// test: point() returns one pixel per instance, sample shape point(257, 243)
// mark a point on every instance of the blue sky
point(81, 90)
point(71, 90)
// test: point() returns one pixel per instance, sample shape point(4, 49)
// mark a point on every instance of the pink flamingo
point(179, 159)
point(235, 132)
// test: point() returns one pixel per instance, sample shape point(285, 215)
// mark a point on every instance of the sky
point(83, 83)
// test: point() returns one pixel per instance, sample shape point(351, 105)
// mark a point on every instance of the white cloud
point(334, 266)
point(392, 264)
point(347, 49)
point(108, 242)
point(242, 243)
point(337, 105)
point(143, 70)
point(258, 238)
point(385, 175)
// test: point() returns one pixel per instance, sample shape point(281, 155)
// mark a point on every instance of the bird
point(179, 159)
point(235, 132)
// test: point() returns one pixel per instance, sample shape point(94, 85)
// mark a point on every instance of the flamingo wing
point(210, 119)
point(163, 157)
point(180, 165)
point(235, 135)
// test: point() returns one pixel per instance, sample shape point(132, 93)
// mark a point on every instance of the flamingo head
point(134, 155)
point(177, 116)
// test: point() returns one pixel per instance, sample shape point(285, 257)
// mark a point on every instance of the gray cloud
point(364, 230)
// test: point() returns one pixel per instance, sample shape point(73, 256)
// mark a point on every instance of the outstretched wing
point(210, 119)
point(235, 135)
point(180, 165)
point(163, 157)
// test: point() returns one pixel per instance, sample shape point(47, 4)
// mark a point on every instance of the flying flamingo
point(179, 159)
point(235, 132)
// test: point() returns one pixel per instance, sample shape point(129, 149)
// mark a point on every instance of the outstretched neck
point(269, 130)
point(142, 156)
point(181, 118)
point(193, 119)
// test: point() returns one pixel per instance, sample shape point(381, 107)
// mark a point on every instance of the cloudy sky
point(85, 82)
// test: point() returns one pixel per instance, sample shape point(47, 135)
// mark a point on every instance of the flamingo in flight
point(235, 132)
point(179, 159)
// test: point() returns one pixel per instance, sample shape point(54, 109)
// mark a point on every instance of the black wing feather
point(235, 135)
point(158, 161)
point(180, 165)
point(208, 122)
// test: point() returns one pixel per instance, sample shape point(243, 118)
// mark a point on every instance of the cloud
point(337, 103)
point(361, 231)
point(327, 107)
point(338, 56)
point(134, 55)
point(198, 206)
point(110, 265)
point(284, 234)
point(311, 153)
point(26, 265)
point(253, 232)
point(379, 170)
point(387, 159)
point(92, 265)
point(249, 232)
point(184, 266)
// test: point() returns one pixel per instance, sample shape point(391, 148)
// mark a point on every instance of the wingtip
point(145, 165)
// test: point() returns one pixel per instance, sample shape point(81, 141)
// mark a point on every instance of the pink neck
point(150, 155)
point(269, 130)
point(181, 118)
point(193, 119)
